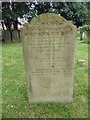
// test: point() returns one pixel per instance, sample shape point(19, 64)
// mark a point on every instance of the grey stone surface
point(49, 50)
point(15, 35)
point(6, 36)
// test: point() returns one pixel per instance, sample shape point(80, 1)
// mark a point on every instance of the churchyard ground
point(14, 87)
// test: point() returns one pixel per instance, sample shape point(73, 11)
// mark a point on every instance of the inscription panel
point(49, 58)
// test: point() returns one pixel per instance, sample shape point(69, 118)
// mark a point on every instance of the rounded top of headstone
point(46, 19)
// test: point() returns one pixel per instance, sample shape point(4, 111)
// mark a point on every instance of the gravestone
point(6, 36)
point(15, 35)
point(49, 48)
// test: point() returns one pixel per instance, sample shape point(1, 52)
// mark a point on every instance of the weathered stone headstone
point(15, 35)
point(48, 48)
point(6, 36)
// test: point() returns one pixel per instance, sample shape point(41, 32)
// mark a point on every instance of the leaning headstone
point(49, 48)
point(6, 36)
point(15, 35)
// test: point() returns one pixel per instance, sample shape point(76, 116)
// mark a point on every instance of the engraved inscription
point(48, 48)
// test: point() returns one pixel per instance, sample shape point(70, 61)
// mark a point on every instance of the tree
point(10, 14)
point(77, 12)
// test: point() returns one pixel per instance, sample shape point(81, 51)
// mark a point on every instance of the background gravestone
point(48, 48)
point(15, 35)
point(6, 36)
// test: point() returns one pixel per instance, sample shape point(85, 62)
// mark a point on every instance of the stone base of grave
point(55, 100)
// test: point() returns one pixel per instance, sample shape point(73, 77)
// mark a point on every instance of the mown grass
point(14, 87)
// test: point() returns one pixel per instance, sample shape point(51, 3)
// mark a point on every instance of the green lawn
point(14, 87)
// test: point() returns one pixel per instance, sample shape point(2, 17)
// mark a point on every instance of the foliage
point(77, 12)
point(14, 87)
point(13, 10)
point(84, 29)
